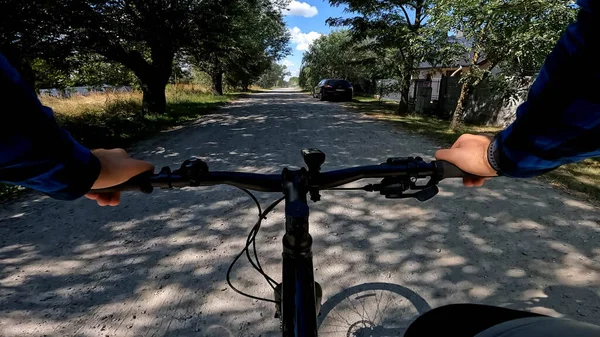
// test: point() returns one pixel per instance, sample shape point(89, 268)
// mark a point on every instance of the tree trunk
point(245, 86)
point(465, 91)
point(217, 82)
point(153, 77)
point(457, 118)
point(154, 100)
point(403, 106)
point(404, 93)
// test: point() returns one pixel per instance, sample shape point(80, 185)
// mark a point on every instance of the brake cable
point(251, 239)
point(346, 189)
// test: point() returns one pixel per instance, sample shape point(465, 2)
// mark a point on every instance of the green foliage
point(336, 55)
point(92, 42)
point(274, 76)
point(8, 191)
point(401, 41)
point(91, 70)
point(244, 38)
point(516, 35)
point(294, 81)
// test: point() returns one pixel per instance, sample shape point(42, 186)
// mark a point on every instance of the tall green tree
point(513, 35)
point(395, 30)
point(84, 70)
point(339, 55)
point(274, 76)
point(28, 31)
point(294, 81)
point(246, 37)
point(142, 35)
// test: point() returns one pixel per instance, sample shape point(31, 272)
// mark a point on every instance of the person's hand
point(116, 168)
point(469, 153)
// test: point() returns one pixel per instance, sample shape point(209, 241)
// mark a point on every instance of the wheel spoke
point(380, 309)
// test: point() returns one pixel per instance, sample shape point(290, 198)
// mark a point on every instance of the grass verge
point(582, 179)
point(109, 120)
point(117, 120)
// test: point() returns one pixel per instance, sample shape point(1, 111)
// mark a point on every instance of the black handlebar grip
point(449, 170)
point(139, 183)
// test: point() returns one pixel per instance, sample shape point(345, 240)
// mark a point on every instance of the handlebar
point(403, 172)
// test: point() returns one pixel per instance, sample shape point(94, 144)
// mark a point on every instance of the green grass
point(116, 120)
point(431, 127)
point(582, 179)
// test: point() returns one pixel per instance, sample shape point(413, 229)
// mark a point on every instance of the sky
point(306, 22)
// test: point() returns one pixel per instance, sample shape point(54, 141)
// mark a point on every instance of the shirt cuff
point(81, 172)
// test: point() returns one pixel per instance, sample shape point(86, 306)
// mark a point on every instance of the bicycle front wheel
point(372, 309)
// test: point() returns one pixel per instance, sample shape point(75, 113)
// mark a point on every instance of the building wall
point(488, 107)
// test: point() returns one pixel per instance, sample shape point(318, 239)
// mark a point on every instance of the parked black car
point(327, 89)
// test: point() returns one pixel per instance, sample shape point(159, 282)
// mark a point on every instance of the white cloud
point(297, 8)
point(303, 40)
point(286, 63)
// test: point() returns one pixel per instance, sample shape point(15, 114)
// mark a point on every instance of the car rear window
point(334, 83)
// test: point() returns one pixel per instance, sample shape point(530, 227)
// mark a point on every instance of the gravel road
point(155, 266)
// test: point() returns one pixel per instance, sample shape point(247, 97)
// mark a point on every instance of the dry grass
point(580, 178)
point(95, 102)
point(116, 119)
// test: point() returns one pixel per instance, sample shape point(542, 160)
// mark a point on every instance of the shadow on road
point(156, 265)
point(371, 309)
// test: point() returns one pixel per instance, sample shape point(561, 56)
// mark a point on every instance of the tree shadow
point(155, 266)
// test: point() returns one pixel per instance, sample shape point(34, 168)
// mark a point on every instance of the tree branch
point(406, 15)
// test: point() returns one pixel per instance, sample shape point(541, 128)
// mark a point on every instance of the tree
point(87, 70)
point(392, 32)
point(513, 35)
point(28, 31)
point(247, 36)
point(142, 35)
point(274, 76)
point(354, 60)
point(294, 81)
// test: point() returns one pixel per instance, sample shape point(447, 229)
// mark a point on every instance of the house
point(435, 89)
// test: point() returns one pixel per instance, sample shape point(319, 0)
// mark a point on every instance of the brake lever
point(422, 195)
point(397, 189)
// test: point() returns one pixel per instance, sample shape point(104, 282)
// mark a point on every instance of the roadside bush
point(8, 191)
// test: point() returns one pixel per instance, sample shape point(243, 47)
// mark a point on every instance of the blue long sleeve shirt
point(34, 151)
point(560, 121)
point(558, 124)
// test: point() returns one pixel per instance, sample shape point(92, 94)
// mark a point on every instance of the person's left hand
point(116, 168)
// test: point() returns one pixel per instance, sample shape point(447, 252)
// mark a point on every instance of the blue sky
point(306, 21)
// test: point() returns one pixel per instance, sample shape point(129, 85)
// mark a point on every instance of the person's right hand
point(116, 168)
point(469, 153)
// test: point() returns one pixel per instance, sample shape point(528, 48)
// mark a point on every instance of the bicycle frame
point(298, 287)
